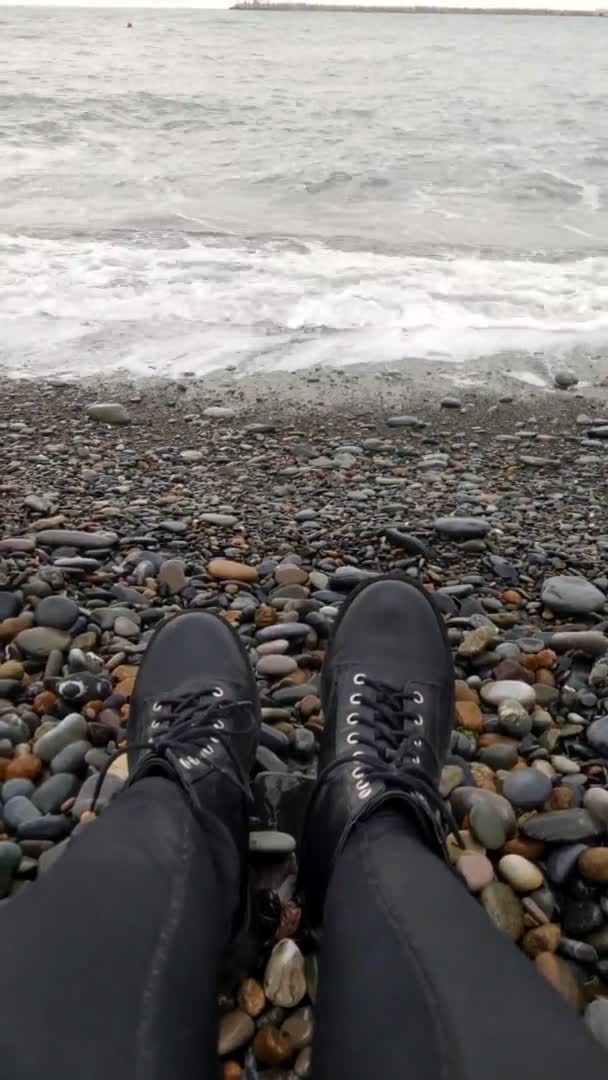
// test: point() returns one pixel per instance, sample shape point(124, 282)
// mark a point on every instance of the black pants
point(108, 965)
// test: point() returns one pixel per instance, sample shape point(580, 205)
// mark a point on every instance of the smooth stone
point(76, 538)
point(18, 810)
point(514, 719)
point(10, 857)
point(495, 693)
point(595, 800)
point(561, 862)
point(18, 786)
point(172, 575)
point(504, 909)
point(593, 864)
point(521, 874)
point(561, 826)
point(581, 917)
point(588, 641)
point(52, 793)
point(487, 825)
point(108, 412)
point(499, 756)
point(271, 844)
point(72, 759)
point(597, 735)
point(236, 1028)
point(476, 869)
point(226, 569)
point(58, 612)
point(219, 412)
point(284, 977)
point(403, 421)
point(49, 827)
point(596, 1020)
point(298, 1027)
point(276, 665)
point(564, 378)
point(39, 641)
point(463, 799)
point(72, 728)
point(526, 788)
point(288, 630)
point(462, 528)
point(10, 605)
point(224, 521)
point(570, 595)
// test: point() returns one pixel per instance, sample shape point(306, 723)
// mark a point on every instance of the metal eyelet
point(208, 750)
point(351, 738)
point(218, 692)
point(363, 794)
point(359, 679)
point(352, 718)
point(419, 722)
point(355, 699)
point(157, 707)
point(357, 753)
point(185, 763)
point(357, 773)
point(417, 742)
point(219, 724)
point(416, 760)
point(418, 698)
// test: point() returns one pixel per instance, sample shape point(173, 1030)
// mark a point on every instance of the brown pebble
point(520, 845)
point(271, 1047)
point(125, 687)
point(231, 1070)
point(593, 864)
point(226, 569)
point(25, 767)
point(511, 596)
point(265, 616)
point(547, 678)
point(252, 998)
point(124, 671)
point(542, 939)
point(557, 972)
point(309, 705)
point(9, 628)
point(546, 658)
point(289, 922)
point(512, 671)
point(469, 716)
point(561, 798)
point(290, 575)
point(11, 669)
point(44, 702)
point(87, 815)
point(465, 693)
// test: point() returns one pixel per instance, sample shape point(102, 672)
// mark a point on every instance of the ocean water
point(278, 190)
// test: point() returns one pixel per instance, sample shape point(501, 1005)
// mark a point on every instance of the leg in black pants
point(415, 982)
point(109, 963)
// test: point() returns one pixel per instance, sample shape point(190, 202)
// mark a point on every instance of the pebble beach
point(267, 500)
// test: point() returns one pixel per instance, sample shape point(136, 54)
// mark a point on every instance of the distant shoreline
point(282, 5)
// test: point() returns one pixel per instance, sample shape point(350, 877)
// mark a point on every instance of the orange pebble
point(24, 767)
point(45, 701)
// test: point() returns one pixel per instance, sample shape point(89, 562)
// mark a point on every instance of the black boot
point(388, 700)
point(194, 719)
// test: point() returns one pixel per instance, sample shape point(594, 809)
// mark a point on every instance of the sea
point(278, 190)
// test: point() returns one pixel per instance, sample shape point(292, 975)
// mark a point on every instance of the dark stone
point(18, 811)
point(10, 605)
point(76, 538)
point(462, 528)
point(52, 793)
point(58, 612)
point(562, 862)
point(581, 917)
point(281, 800)
point(526, 788)
point(49, 827)
point(562, 827)
point(12, 788)
point(72, 758)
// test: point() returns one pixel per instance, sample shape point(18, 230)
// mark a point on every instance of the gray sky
point(131, 5)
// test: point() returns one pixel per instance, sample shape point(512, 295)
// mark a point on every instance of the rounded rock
point(526, 788)
point(284, 977)
point(227, 570)
point(520, 873)
point(593, 864)
point(571, 595)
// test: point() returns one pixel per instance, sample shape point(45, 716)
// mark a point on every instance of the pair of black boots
point(387, 695)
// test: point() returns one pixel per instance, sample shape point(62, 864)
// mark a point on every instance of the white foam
point(81, 306)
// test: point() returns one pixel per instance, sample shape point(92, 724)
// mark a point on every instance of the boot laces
point(386, 743)
point(187, 728)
